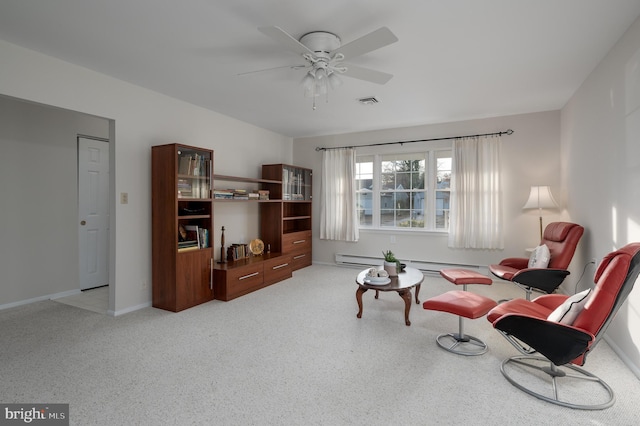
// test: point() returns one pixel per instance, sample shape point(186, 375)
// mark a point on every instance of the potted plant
point(391, 264)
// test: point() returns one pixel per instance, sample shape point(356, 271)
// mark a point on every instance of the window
point(404, 191)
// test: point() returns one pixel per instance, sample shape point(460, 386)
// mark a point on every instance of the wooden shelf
point(236, 200)
point(244, 179)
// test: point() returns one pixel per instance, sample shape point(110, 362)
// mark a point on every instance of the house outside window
point(404, 191)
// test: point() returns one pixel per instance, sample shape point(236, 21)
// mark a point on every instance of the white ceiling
point(455, 59)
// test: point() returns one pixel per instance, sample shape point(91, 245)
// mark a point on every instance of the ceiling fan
point(324, 56)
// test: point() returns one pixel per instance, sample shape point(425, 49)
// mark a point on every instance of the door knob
point(83, 222)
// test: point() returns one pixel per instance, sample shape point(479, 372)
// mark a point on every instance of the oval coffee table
point(402, 284)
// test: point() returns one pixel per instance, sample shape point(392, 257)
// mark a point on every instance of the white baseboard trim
point(129, 309)
point(426, 266)
point(40, 299)
point(625, 359)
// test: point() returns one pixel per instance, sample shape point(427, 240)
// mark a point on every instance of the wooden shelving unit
point(182, 272)
point(287, 225)
point(185, 279)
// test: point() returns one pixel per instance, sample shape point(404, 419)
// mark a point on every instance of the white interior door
point(93, 212)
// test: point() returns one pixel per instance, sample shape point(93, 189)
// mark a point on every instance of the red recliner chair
point(565, 342)
point(562, 239)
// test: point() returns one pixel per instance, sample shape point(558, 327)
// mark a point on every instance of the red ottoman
point(465, 305)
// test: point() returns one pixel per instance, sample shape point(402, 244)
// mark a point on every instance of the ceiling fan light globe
point(321, 87)
point(334, 81)
point(308, 80)
point(321, 74)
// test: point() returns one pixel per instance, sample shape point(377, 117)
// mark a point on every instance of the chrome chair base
point(461, 344)
point(553, 376)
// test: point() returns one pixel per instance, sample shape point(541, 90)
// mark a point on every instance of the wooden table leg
point(417, 291)
point(359, 292)
point(406, 296)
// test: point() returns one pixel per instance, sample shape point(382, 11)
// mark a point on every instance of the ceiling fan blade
point(367, 74)
point(372, 41)
point(293, 67)
point(282, 37)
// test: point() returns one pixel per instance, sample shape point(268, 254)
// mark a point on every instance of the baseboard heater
point(428, 267)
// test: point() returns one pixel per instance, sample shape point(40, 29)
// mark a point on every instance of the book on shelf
point(190, 248)
point(183, 165)
point(192, 165)
point(193, 233)
point(237, 251)
point(184, 188)
point(240, 194)
point(222, 194)
point(204, 237)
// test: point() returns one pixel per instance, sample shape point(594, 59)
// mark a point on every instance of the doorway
point(93, 212)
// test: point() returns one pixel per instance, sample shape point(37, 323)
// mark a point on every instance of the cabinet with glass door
point(182, 221)
point(287, 226)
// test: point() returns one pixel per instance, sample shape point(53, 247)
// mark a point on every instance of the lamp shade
point(540, 198)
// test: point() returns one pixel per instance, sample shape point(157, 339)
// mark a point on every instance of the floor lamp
point(540, 198)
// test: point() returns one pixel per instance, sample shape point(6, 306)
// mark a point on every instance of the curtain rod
point(507, 132)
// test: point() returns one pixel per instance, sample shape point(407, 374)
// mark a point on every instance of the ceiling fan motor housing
point(321, 43)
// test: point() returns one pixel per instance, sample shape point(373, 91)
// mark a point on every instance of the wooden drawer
point(296, 242)
point(277, 269)
point(300, 259)
point(239, 281)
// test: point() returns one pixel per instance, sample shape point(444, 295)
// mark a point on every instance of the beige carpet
point(291, 354)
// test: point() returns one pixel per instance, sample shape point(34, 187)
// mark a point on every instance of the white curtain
point(476, 194)
point(338, 218)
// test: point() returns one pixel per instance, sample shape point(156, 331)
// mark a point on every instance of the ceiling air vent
point(368, 101)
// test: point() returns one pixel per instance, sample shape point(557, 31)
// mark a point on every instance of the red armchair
point(565, 343)
point(562, 239)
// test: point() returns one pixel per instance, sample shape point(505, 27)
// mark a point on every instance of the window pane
point(364, 173)
point(443, 159)
point(403, 218)
point(398, 198)
point(403, 200)
point(442, 209)
point(387, 218)
point(387, 181)
point(364, 205)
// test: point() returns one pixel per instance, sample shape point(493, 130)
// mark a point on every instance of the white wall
point(531, 156)
point(601, 170)
point(141, 118)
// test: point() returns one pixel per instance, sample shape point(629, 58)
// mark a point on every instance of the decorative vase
point(391, 268)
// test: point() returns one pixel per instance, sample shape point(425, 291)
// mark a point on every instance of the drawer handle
point(299, 241)
point(280, 266)
point(248, 276)
point(299, 257)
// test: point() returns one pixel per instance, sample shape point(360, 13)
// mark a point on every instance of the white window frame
point(430, 156)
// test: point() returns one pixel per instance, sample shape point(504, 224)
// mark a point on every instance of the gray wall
point(38, 219)
point(601, 171)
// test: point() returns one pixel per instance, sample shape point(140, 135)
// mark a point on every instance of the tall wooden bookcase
point(182, 223)
point(286, 226)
